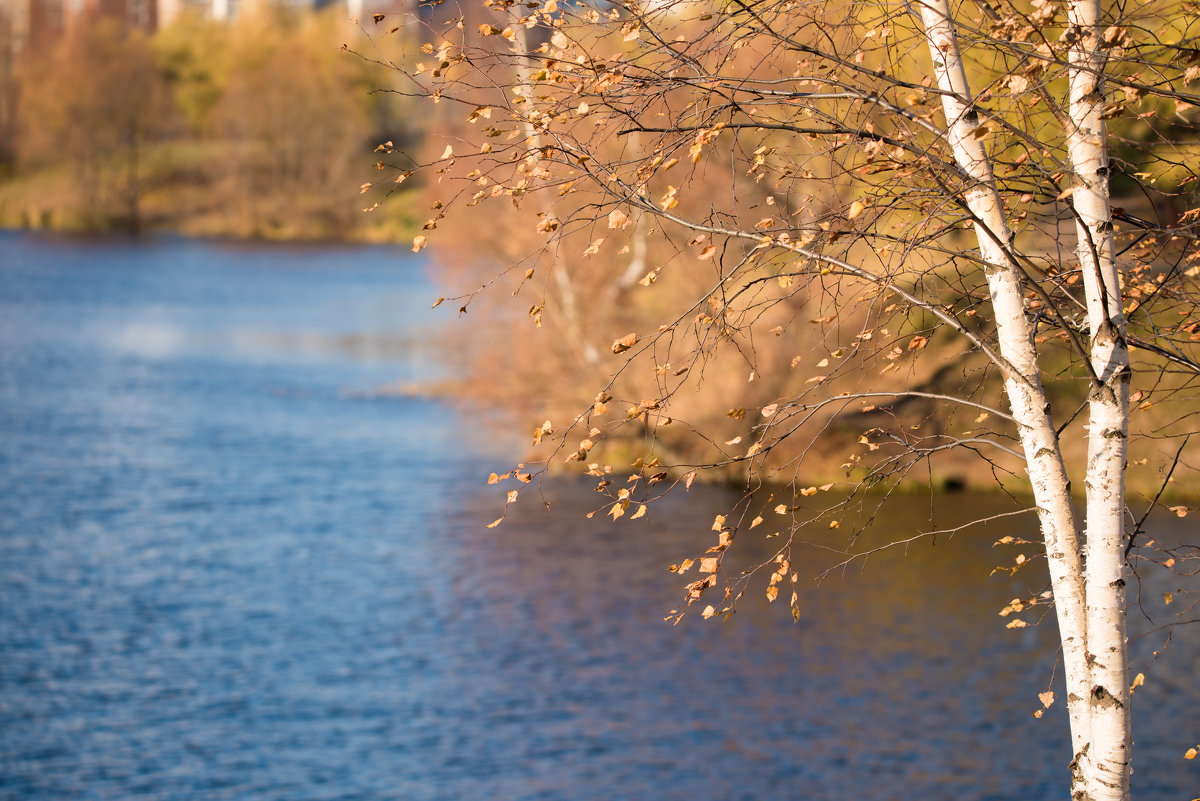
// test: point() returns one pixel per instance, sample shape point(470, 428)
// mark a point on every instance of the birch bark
point(1030, 407)
point(1106, 767)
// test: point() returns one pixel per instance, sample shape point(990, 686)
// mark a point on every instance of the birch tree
point(878, 232)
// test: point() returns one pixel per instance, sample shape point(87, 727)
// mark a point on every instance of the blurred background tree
point(258, 127)
point(91, 110)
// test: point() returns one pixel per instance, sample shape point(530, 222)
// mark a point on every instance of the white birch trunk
point(1026, 396)
point(562, 278)
point(1106, 765)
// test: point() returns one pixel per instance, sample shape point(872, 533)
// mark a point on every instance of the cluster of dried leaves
point(746, 233)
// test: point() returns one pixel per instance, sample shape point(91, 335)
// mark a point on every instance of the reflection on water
point(226, 572)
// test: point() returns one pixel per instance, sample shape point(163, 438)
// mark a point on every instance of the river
point(230, 568)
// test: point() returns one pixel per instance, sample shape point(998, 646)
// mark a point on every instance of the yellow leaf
point(772, 593)
point(718, 523)
point(448, 152)
point(1138, 681)
point(834, 524)
point(495, 523)
point(1016, 624)
point(641, 512)
point(770, 409)
point(856, 208)
point(624, 343)
point(781, 509)
point(618, 219)
point(617, 510)
point(808, 491)
point(1047, 699)
point(708, 612)
point(709, 564)
point(1190, 754)
point(419, 242)
point(708, 253)
point(756, 521)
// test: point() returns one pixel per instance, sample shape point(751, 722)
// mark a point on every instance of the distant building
point(36, 24)
point(33, 23)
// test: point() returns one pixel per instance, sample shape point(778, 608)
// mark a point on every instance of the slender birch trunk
point(1030, 407)
point(562, 278)
point(1106, 766)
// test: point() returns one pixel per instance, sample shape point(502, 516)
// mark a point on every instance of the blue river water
point(231, 568)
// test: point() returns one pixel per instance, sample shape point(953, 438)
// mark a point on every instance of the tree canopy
point(828, 247)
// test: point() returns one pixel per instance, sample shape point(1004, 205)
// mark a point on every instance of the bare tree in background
point(878, 231)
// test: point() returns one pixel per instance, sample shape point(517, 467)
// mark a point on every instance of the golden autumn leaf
point(709, 564)
point(419, 242)
point(624, 343)
point(772, 593)
point(618, 219)
point(708, 612)
point(708, 253)
point(641, 512)
point(1047, 699)
point(856, 208)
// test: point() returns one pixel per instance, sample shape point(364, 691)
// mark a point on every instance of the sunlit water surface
point(231, 569)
